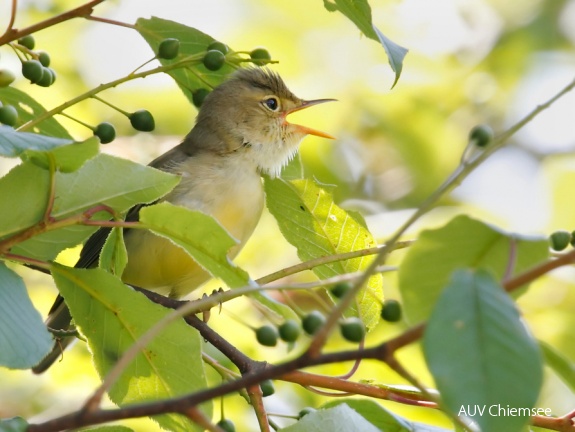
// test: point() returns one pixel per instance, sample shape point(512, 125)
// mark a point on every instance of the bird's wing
point(91, 251)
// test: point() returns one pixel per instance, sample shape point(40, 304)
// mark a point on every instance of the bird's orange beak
point(304, 129)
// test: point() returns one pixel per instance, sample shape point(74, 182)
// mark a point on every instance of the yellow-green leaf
point(317, 227)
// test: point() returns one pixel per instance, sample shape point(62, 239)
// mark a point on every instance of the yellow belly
point(156, 264)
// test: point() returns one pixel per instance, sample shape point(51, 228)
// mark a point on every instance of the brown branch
point(48, 223)
point(254, 372)
point(257, 402)
point(561, 424)
point(13, 9)
point(356, 388)
point(198, 417)
point(539, 270)
point(12, 34)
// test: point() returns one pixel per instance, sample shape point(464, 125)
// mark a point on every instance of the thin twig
point(110, 21)
point(316, 262)
point(85, 10)
point(10, 25)
point(257, 402)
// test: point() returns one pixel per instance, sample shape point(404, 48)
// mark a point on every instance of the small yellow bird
point(240, 133)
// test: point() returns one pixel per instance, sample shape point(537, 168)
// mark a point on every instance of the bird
point(241, 133)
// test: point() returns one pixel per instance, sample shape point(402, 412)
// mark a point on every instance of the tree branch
point(12, 34)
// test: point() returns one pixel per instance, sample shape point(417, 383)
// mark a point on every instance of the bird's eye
point(271, 103)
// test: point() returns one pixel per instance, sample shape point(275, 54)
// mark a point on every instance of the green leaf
point(13, 143)
point(359, 12)
point(114, 256)
point(340, 418)
point(293, 170)
point(192, 42)
point(200, 235)
point(24, 190)
point(462, 243)
point(67, 158)
point(560, 364)
point(374, 413)
point(310, 220)
point(28, 109)
point(107, 180)
point(14, 424)
point(480, 353)
point(395, 53)
point(23, 336)
point(112, 316)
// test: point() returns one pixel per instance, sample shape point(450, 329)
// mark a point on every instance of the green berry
point(198, 97)
point(44, 58)
point(289, 331)
point(391, 310)
point(48, 77)
point(481, 135)
point(260, 56)
point(32, 70)
point(352, 329)
point(559, 240)
point(214, 60)
point(227, 425)
point(267, 335)
point(305, 411)
point(27, 41)
point(6, 77)
point(340, 289)
point(267, 387)
point(169, 48)
point(312, 322)
point(218, 46)
point(106, 132)
point(142, 120)
point(8, 115)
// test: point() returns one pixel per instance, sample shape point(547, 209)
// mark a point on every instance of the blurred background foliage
point(470, 62)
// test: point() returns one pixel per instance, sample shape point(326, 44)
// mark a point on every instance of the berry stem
point(109, 21)
point(92, 128)
point(121, 111)
point(143, 64)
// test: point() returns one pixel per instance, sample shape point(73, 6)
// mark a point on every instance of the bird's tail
point(59, 319)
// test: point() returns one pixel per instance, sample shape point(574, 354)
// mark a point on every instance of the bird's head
point(248, 113)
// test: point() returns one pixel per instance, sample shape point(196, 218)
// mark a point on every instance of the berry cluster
point(351, 328)
point(215, 58)
point(559, 240)
point(35, 67)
